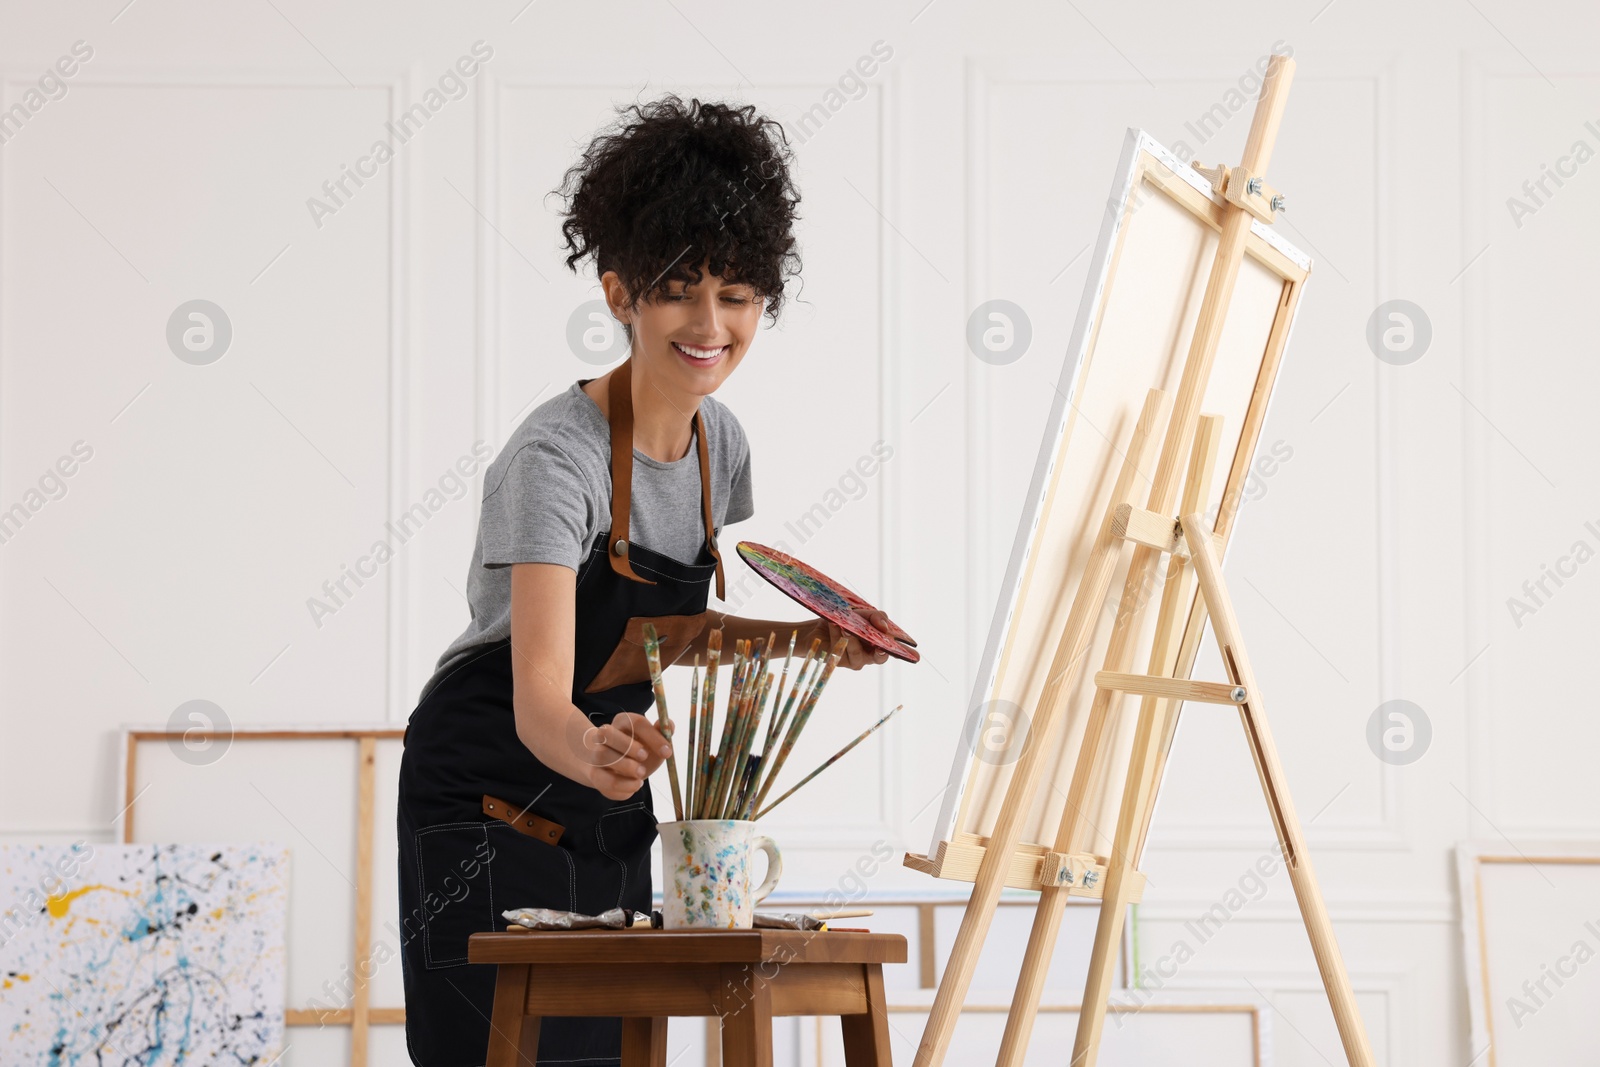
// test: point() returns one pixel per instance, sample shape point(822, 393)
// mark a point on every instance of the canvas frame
point(1471, 858)
point(361, 1015)
point(1018, 646)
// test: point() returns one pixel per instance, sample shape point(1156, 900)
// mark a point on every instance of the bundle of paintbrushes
point(732, 780)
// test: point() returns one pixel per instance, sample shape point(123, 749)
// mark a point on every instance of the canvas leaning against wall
point(155, 955)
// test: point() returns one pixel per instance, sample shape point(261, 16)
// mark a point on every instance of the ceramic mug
point(706, 863)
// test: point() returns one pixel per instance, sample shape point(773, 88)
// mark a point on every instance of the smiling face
point(688, 339)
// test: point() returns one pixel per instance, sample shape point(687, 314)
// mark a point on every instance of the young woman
point(523, 782)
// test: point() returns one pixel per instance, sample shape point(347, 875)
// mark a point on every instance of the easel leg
point(1030, 981)
point(1085, 780)
point(1177, 599)
point(1064, 668)
point(1175, 594)
point(1114, 902)
point(1069, 837)
point(1273, 783)
point(1177, 665)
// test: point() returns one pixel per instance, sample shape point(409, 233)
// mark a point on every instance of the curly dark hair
point(673, 185)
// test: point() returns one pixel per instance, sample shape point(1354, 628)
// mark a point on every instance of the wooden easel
point(1174, 529)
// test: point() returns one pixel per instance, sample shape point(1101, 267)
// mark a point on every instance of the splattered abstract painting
point(156, 955)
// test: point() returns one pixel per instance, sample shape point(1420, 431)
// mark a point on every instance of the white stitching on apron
point(422, 890)
point(600, 834)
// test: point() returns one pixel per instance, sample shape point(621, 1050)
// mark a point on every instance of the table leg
point(713, 1041)
point(746, 1019)
point(513, 1035)
point(644, 1041)
point(866, 1036)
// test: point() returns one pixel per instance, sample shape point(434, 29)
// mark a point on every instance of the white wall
point(369, 353)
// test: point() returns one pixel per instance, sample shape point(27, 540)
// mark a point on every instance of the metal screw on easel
point(1277, 202)
point(1252, 186)
point(1237, 694)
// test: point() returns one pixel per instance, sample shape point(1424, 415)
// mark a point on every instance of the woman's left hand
point(858, 653)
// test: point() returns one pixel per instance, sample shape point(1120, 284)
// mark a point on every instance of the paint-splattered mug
point(706, 863)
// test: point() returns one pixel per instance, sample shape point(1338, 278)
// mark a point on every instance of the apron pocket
point(529, 873)
point(455, 891)
point(623, 836)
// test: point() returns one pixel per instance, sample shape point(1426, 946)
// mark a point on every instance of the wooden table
point(746, 977)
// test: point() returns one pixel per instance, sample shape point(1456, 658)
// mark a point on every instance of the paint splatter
point(709, 875)
point(148, 955)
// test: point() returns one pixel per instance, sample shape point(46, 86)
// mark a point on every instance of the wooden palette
point(818, 593)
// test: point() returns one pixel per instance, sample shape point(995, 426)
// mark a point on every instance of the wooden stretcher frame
point(361, 1015)
point(1471, 858)
point(1018, 645)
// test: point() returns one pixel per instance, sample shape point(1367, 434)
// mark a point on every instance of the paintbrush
point(794, 635)
point(744, 794)
point(751, 721)
point(711, 769)
point(736, 683)
point(800, 717)
point(830, 761)
point(777, 694)
point(750, 718)
point(652, 655)
point(754, 761)
point(708, 704)
point(780, 719)
point(694, 733)
point(776, 729)
point(740, 714)
point(729, 722)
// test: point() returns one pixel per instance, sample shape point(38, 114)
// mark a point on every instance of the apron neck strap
point(620, 393)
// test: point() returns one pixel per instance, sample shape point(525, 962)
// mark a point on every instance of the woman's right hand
point(622, 754)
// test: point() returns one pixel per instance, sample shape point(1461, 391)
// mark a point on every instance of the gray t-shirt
point(547, 498)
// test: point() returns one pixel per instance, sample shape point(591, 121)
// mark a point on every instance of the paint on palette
point(816, 592)
point(149, 955)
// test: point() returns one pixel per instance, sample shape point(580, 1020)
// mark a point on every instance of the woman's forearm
point(553, 729)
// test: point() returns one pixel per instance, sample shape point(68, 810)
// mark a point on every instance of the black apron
point(460, 868)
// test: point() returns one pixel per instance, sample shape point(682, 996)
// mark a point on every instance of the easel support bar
point(1151, 685)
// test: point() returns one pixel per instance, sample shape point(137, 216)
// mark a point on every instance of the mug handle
point(774, 867)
